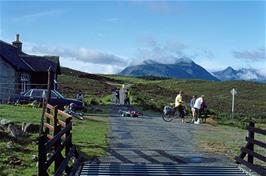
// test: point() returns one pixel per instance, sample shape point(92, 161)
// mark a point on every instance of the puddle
point(198, 159)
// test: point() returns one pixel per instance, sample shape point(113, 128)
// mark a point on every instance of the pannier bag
point(167, 110)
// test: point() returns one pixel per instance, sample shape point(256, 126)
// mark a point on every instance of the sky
point(107, 36)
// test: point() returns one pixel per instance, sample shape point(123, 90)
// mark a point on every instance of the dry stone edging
point(16, 130)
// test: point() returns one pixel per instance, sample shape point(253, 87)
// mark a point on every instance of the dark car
point(38, 95)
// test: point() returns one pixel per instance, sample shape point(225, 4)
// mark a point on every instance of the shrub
point(94, 101)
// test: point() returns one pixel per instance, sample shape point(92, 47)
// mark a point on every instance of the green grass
point(23, 151)
point(21, 113)
point(155, 93)
point(227, 140)
point(89, 135)
point(126, 79)
point(250, 101)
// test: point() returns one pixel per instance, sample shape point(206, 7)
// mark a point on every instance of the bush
point(94, 101)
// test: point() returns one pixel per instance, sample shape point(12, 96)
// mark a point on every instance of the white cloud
point(97, 61)
point(168, 52)
point(89, 67)
point(262, 71)
point(83, 59)
point(248, 75)
point(86, 55)
point(34, 16)
point(258, 54)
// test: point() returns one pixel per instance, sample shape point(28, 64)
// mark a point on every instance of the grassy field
point(154, 93)
point(250, 101)
point(151, 94)
point(227, 140)
point(89, 135)
point(94, 87)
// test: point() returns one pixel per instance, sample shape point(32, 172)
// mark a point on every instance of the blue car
point(37, 95)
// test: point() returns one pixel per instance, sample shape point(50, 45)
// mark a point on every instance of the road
point(151, 142)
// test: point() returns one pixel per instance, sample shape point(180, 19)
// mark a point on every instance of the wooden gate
point(249, 150)
point(55, 144)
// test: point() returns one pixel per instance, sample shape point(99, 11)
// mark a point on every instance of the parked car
point(37, 95)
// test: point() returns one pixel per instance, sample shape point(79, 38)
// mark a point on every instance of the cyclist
point(179, 105)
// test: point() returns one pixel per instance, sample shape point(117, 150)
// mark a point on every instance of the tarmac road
point(150, 140)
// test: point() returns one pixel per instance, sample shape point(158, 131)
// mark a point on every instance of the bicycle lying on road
point(170, 113)
point(77, 115)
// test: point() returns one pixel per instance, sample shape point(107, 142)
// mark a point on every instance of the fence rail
point(249, 150)
point(57, 138)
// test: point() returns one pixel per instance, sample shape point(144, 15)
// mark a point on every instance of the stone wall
point(7, 80)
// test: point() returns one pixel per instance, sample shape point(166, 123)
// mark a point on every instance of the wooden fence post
point(45, 102)
point(48, 97)
point(251, 146)
point(68, 146)
point(42, 156)
point(57, 129)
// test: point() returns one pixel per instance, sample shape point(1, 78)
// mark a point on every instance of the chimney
point(17, 43)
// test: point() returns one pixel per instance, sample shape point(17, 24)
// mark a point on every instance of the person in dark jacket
point(191, 104)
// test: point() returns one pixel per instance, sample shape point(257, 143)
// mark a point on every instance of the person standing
point(197, 107)
point(179, 105)
point(80, 96)
point(203, 110)
point(113, 99)
point(127, 97)
point(191, 104)
point(117, 96)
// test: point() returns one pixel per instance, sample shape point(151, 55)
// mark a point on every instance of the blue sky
point(107, 36)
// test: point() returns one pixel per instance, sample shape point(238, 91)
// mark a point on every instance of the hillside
point(93, 86)
point(154, 93)
point(182, 69)
point(249, 102)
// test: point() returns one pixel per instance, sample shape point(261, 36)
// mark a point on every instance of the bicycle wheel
point(167, 117)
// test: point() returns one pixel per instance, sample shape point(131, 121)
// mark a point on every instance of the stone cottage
point(20, 71)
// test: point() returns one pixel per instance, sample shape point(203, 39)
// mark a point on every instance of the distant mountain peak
point(184, 60)
point(230, 68)
point(241, 74)
point(148, 62)
point(183, 68)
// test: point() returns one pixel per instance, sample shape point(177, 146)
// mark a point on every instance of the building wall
point(7, 80)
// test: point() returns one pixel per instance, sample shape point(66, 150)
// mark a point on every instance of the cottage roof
point(42, 63)
point(25, 62)
point(11, 55)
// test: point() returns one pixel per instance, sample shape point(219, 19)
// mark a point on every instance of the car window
point(27, 93)
point(58, 94)
point(53, 95)
point(36, 93)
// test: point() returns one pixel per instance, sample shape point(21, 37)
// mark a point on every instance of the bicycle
point(77, 115)
point(170, 113)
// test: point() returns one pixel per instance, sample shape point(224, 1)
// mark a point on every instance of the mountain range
point(182, 68)
point(185, 68)
point(242, 74)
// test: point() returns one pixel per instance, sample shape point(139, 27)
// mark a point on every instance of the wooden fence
point(55, 144)
point(249, 150)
